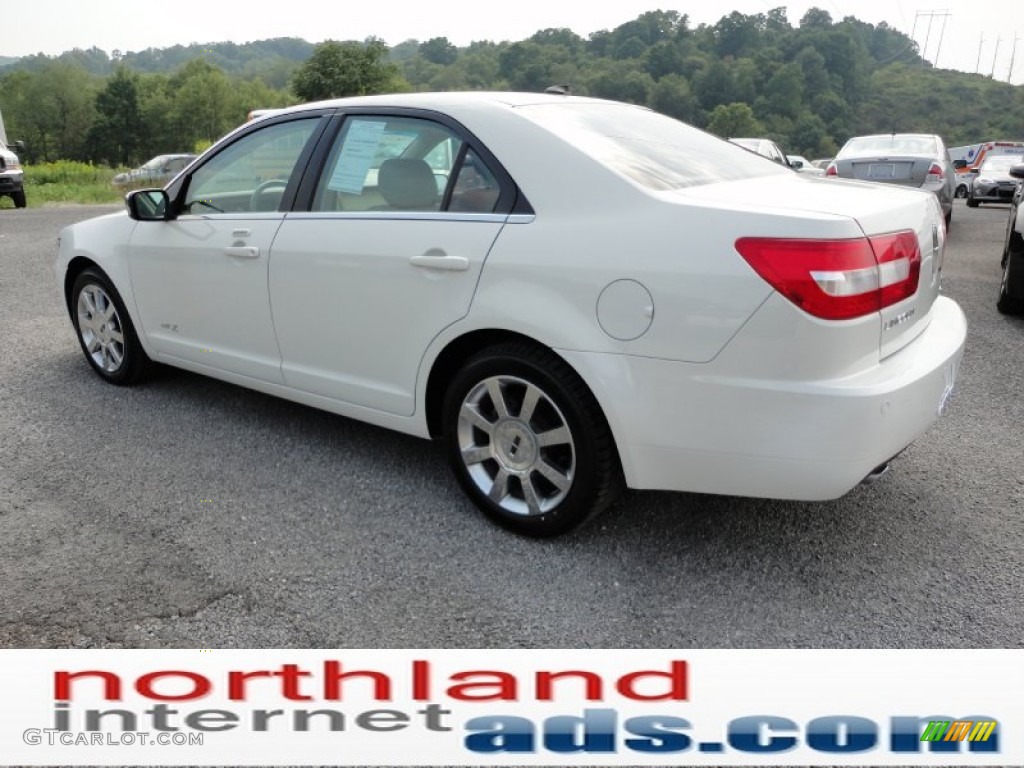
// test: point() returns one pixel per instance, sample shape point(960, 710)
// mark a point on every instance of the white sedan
point(571, 294)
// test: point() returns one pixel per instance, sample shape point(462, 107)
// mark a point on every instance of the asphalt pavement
point(191, 513)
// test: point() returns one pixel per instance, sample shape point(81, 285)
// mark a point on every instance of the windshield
point(155, 163)
point(648, 148)
point(1001, 162)
point(898, 144)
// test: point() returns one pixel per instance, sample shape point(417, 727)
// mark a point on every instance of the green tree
point(204, 104)
point(118, 133)
point(346, 69)
point(671, 96)
point(735, 119)
point(784, 91)
point(439, 50)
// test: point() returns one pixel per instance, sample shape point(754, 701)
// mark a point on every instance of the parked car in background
point(1011, 287)
point(803, 165)
point(994, 184)
point(822, 162)
point(765, 147)
point(598, 296)
point(12, 178)
point(973, 156)
point(905, 159)
point(155, 172)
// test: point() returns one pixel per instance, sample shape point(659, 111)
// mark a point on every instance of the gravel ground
point(191, 513)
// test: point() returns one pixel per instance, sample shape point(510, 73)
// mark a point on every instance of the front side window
point(386, 163)
point(252, 173)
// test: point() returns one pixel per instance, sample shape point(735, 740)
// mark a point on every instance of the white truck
point(12, 178)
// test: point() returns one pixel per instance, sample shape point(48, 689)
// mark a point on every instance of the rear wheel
point(19, 199)
point(1011, 297)
point(528, 442)
point(972, 203)
point(961, 190)
point(105, 330)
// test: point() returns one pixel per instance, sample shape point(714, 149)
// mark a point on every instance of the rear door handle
point(243, 251)
point(448, 263)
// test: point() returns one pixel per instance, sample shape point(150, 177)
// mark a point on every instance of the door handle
point(447, 263)
point(243, 251)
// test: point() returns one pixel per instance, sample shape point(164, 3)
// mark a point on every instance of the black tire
point(972, 203)
point(1011, 303)
point(949, 218)
point(105, 331)
point(19, 199)
point(540, 475)
point(961, 191)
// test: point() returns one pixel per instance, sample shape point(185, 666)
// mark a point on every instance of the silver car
point(908, 159)
point(994, 184)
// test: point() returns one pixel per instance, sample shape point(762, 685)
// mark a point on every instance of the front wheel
point(19, 199)
point(961, 191)
point(105, 330)
point(972, 203)
point(528, 442)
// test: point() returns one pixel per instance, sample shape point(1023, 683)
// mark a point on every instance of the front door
point(201, 278)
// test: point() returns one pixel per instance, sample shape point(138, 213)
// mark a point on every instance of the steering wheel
point(254, 199)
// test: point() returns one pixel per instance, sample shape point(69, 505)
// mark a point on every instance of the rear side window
point(649, 149)
point(386, 163)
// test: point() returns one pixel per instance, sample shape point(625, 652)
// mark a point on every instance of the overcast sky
point(54, 26)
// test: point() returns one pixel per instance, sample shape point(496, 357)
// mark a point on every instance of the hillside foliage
point(809, 85)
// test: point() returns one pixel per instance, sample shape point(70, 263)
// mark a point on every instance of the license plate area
point(882, 171)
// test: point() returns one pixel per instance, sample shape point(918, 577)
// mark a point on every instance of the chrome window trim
point(490, 218)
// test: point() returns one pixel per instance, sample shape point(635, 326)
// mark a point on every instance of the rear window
point(895, 144)
point(648, 148)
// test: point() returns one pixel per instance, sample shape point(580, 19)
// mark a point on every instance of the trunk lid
point(907, 170)
point(876, 209)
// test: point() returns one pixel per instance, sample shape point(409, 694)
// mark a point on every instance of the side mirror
point(148, 205)
point(1017, 171)
point(20, 146)
point(958, 164)
point(798, 164)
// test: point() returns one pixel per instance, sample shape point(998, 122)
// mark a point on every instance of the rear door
point(387, 255)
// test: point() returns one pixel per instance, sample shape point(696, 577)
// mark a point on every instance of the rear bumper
point(681, 427)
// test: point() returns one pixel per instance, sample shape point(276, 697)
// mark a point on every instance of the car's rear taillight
point(838, 279)
point(831, 170)
point(936, 173)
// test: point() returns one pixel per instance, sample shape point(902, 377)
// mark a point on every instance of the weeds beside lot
point(67, 181)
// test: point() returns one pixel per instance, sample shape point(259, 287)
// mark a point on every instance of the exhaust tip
point(877, 473)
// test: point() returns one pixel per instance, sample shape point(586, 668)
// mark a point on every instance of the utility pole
point(942, 34)
point(931, 16)
point(992, 74)
point(977, 66)
point(1013, 56)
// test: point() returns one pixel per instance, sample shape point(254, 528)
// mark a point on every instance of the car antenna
point(564, 89)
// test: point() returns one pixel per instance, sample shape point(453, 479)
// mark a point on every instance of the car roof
point(429, 100)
